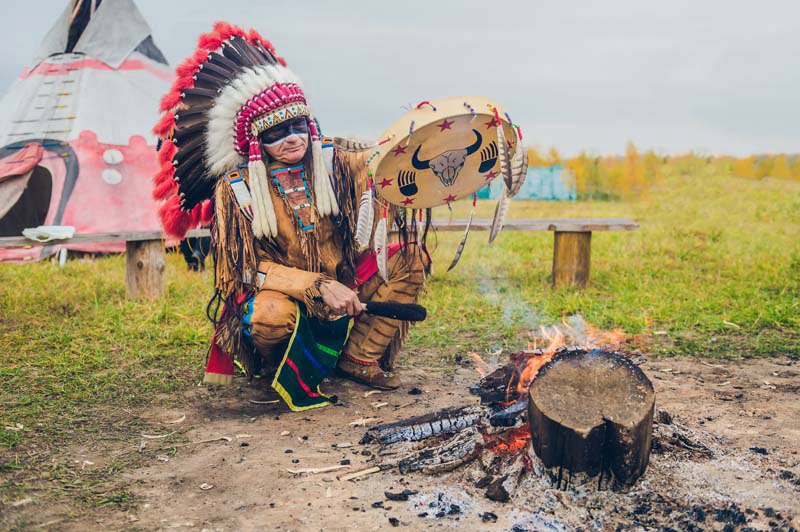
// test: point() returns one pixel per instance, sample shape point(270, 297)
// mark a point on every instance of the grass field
point(715, 266)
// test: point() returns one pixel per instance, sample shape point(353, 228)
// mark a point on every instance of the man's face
point(287, 142)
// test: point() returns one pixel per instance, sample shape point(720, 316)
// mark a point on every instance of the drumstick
point(397, 311)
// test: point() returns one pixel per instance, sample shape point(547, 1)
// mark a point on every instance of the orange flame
point(510, 441)
point(556, 338)
point(595, 337)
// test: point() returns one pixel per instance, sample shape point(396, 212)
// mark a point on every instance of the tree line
point(634, 173)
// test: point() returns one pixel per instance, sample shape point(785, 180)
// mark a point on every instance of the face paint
point(297, 127)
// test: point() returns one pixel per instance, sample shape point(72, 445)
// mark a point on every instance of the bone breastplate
point(292, 184)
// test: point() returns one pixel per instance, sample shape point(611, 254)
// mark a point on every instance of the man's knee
point(412, 263)
point(273, 318)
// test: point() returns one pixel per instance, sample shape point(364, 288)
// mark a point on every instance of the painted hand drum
point(442, 151)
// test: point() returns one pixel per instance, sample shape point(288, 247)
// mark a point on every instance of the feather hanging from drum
point(420, 226)
point(505, 160)
point(366, 219)
point(463, 243)
point(381, 248)
point(519, 169)
point(500, 212)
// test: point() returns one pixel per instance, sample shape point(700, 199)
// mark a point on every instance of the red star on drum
point(491, 175)
point(449, 199)
point(385, 183)
point(398, 150)
point(446, 124)
point(408, 201)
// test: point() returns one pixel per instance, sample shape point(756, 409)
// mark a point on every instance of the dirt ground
point(746, 412)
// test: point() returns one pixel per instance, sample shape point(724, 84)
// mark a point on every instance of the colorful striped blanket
point(311, 355)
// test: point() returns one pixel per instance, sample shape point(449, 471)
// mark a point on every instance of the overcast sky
point(710, 75)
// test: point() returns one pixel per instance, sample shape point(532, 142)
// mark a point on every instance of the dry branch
point(316, 470)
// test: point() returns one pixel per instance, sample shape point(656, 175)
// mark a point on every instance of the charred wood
point(509, 416)
point(447, 421)
point(453, 453)
point(494, 387)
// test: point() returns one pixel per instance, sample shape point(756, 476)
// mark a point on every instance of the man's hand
point(340, 299)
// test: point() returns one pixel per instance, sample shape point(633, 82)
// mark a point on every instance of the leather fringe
point(235, 268)
point(350, 174)
point(232, 237)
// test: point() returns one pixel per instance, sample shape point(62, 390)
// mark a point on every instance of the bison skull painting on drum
point(447, 165)
point(445, 150)
point(437, 153)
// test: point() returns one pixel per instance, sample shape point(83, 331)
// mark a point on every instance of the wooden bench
point(145, 261)
point(145, 266)
point(572, 241)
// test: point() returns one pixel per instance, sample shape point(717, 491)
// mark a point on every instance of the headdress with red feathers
point(229, 91)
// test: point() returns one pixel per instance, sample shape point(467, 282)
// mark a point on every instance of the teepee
point(75, 142)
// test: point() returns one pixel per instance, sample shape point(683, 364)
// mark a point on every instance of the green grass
point(716, 265)
point(70, 338)
point(74, 352)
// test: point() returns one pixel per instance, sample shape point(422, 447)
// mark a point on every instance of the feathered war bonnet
point(232, 89)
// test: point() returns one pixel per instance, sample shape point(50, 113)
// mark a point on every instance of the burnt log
point(446, 421)
point(591, 415)
point(510, 415)
point(452, 453)
point(494, 387)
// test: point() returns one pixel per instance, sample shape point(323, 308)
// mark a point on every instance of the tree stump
point(572, 252)
point(145, 268)
point(591, 415)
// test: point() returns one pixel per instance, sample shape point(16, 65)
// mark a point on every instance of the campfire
point(573, 414)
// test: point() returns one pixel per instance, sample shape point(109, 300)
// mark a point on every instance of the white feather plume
point(500, 212)
point(463, 243)
point(323, 189)
point(502, 155)
point(265, 224)
point(519, 169)
point(381, 249)
point(366, 219)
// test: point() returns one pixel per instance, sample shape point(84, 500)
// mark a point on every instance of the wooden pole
point(571, 258)
point(145, 268)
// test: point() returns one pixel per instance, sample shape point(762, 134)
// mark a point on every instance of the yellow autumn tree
point(763, 167)
point(594, 179)
point(794, 166)
point(535, 158)
point(616, 182)
point(633, 180)
point(745, 167)
point(553, 157)
point(780, 168)
point(579, 166)
point(653, 173)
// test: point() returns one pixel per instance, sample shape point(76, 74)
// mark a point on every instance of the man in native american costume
point(242, 151)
